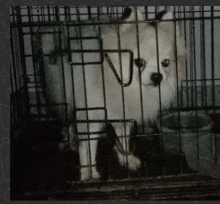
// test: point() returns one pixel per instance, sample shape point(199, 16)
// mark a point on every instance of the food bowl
point(187, 132)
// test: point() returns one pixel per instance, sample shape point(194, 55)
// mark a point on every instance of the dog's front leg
point(87, 153)
point(68, 132)
point(130, 161)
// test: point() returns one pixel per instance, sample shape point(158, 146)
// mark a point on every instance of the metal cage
point(182, 173)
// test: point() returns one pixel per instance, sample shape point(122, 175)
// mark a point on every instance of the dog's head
point(159, 50)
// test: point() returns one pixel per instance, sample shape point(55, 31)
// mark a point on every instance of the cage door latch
point(114, 70)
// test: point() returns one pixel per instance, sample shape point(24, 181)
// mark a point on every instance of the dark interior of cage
point(180, 153)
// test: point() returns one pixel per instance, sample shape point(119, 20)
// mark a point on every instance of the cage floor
point(182, 187)
point(40, 172)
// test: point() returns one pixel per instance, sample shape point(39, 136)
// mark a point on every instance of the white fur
point(94, 81)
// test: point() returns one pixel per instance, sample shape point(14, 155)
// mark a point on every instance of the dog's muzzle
point(156, 78)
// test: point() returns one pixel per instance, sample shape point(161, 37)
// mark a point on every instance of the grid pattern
point(198, 92)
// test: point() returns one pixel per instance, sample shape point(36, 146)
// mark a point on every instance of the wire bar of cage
point(139, 72)
point(102, 69)
point(85, 94)
point(34, 59)
point(56, 23)
point(212, 57)
point(177, 84)
point(13, 67)
point(22, 58)
point(193, 80)
point(203, 57)
point(194, 75)
point(158, 69)
point(55, 13)
point(122, 88)
point(63, 82)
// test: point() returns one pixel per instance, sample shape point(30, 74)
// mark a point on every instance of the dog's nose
point(156, 77)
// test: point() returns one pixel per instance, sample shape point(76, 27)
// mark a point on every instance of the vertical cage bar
point(212, 57)
point(66, 13)
point(12, 14)
point(102, 70)
point(177, 82)
point(158, 69)
point(73, 85)
point(155, 11)
point(14, 84)
point(191, 26)
point(35, 59)
point(48, 11)
point(57, 13)
point(195, 81)
point(194, 58)
point(41, 72)
point(13, 60)
point(89, 12)
point(203, 57)
point(139, 73)
point(213, 74)
point(181, 86)
point(146, 12)
point(38, 14)
point(186, 64)
point(12, 103)
point(43, 13)
point(29, 13)
point(85, 92)
point(21, 46)
point(122, 88)
point(63, 78)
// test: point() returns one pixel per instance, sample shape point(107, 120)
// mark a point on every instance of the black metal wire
point(100, 51)
point(23, 64)
point(139, 73)
point(48, 10)
point(185, 19)
point(85, 92)
point(120, 80)
point(122, 88)
point(203, 58)
point(184, 36)
point(14, 81)
point(159, 87)
point(146, 12)
point(66, 122)
point(213, 73)
point(56, 22)
point(177, 85)
point(73, 87)
point(34, 59)
point(194, 75)
point(212, 57)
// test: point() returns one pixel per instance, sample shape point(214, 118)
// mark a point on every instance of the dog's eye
point(140, 62)
point(165, 62)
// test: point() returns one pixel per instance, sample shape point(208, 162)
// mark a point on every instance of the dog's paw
point(133, 162)
point(61, 146)
point(86, 174)
point(95, 173)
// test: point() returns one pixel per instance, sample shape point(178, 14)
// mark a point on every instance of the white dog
point(158, 62)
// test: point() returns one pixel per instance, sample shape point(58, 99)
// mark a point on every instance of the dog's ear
point(130, 14)
point(168, 21)
point(161, 15)
point(166, 15)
